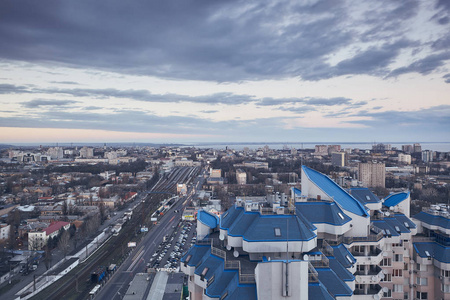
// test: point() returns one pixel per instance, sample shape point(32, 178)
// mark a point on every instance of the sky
point(187, 71)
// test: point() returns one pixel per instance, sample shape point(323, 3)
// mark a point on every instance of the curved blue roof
point(297, 192)
point(208, 219)
point(334, 191)
point(395, 199)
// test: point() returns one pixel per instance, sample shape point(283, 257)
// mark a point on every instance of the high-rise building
point(241, 176)
point(417, 148)
point(86, 152)
point(55, 152)
point(427, 156)
point(407, 149)
point(324, 244)
point(338, 159)
point(372, 174)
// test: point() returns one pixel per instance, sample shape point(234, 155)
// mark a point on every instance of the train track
point(67, 286)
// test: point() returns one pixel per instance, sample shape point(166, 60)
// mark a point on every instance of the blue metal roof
point(254, 227)
point(394, 222)
point(208, 219)
point(290, 226)
point(341, 253)
point(317, 291)
point(364, 195)
point(340, 270)
point(197, 253)
point(334, 191)
point(405, 220)
point(297, 192)
point(389, 230)
point(222, 280)
point(323, 212)
point(433, 220)
point(211, 262)
point(247, 292)
point(436, 251)
point(335, 286)
point(395, 199)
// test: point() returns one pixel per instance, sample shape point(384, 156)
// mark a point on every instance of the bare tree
point(102, 211)
point(63, 243)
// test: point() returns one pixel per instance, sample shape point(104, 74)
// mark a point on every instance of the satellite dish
point(387, 214)
point(376, 297)
point(385, 290)
point(385, 271)
point(305, 257)
point(228, 247)
point(235, 253)
point(358, 278)
point(374, 278)
point(391, 208)
point(385, 254)
point(381, 275)
point(221, 237)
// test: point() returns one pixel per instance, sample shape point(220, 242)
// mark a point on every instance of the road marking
point(141, 252)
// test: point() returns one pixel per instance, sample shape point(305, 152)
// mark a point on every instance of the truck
point(98, 274)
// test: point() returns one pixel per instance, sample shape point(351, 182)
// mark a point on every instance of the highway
point(117, 286)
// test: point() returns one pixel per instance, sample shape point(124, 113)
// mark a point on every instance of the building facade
point(372, 174)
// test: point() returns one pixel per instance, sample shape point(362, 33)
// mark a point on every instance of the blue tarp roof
point(395, 199)
point(334, 191)
point(433, 220)
point(323, 212)
point(364, 195)
point(208, 219)
point(436, 251)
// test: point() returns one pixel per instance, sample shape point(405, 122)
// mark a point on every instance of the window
point(387, 277)
point(398, 288)
point(386, 262)
point(445, 273)
point(277, 231)
point(422, 281)
point(398, 257)
point(446, 288)
point(422, 295)
point(397, 273)
point(406, 295)
point(387, 294)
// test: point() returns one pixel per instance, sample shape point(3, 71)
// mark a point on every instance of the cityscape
point(225, 150)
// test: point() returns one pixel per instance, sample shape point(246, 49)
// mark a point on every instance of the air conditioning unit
point(440, 277)
point(414, 285)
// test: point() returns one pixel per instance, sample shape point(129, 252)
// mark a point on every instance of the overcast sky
point(223, 71)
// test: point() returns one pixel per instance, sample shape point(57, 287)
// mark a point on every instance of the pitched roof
point(433, 220)
point(395, 199)
point(54, 227)
point(334, 191)
point(317, 291)
point(335, 286)
point(436, 251)
point(344, 256)
point(364, 195)
point(323, 212)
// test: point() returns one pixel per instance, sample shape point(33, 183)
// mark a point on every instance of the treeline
point(133, 167)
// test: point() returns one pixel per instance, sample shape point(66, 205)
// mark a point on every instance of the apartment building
point(322, 244)
point(372, 174)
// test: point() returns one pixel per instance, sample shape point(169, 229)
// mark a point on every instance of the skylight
point(349, 259)
point(340, 215)
point(205, 270)
point(406, 224)
point(388, 231)
point(367, 197)
point(427, 253)
point(277, 231)
point(397, 228)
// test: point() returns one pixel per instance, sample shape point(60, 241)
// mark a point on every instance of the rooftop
point(395, 199)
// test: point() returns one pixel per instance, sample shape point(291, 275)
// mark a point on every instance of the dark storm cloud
point(207, 40)
point(36, 103)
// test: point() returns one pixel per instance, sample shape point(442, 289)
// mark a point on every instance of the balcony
point(371, 276)
point(368, 292)
point(372, 257)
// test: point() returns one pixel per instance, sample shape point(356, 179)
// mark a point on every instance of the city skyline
point(199, 71)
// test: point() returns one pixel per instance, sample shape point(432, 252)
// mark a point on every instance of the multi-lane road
point(116, 287)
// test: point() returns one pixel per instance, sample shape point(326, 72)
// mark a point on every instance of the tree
point(65, 209)
point(63, 243)
point(48, 256)
point(102, 211)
